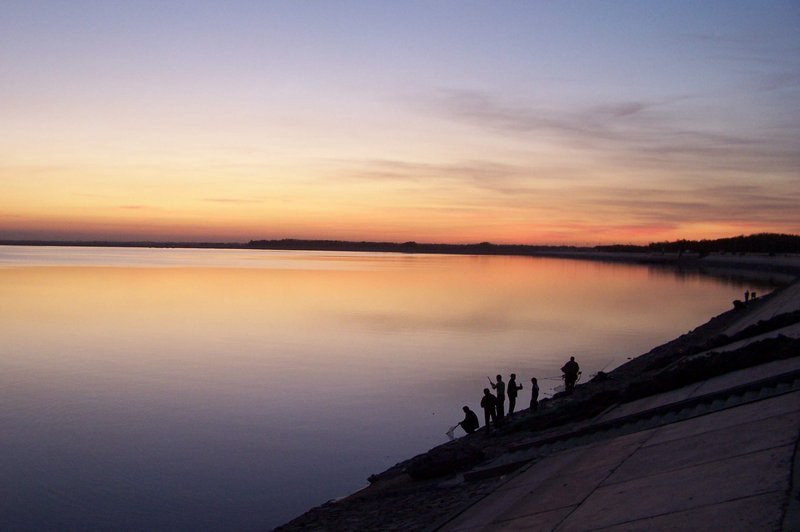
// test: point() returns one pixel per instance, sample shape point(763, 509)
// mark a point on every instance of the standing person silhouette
point(571, 371)
point(488, 403)
point(534, 394)
point(500, 386)
point(513, 388)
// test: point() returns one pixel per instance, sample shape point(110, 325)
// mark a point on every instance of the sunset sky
point(512, 122)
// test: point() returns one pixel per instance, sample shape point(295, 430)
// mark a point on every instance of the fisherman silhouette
point(470, 423)
point(488, 404)
point(513, 388)
point(500, 386)
point(534, 394)
point(571, 371)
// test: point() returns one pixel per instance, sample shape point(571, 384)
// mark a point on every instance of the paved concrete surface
point(727, 470)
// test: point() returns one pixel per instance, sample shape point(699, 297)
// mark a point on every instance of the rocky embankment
point(425, 491)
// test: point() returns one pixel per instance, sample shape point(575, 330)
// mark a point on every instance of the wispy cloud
point(233, 200)
point(756, 49)
point(753, 203)
point(91, 195)
point(479, 171)
point(632, 133)
point(779, 81)
point(580, 203)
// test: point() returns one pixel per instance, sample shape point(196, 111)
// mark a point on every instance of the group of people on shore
point(494, 405)
point(749, 297)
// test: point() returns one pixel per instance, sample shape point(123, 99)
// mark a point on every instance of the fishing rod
point(601, 370)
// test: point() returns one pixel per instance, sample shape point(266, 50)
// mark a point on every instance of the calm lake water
point(156, 389)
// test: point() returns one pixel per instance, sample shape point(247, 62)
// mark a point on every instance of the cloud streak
point(633, 133)
point(579, 204)
point(753, 49)
point(235, 201)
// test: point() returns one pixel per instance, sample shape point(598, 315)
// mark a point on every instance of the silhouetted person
point(746, 296)
point(571, 371)
point(513, 388)
point(470, 423)
point(534, 394)
point(500, 386)
point(488, 403)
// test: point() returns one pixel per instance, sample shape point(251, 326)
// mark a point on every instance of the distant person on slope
point(513, 388)
point(500, 386)
point(534, 394)
point(571, 371)
point(488, 403)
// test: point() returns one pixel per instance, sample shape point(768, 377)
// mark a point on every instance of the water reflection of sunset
point(243, 378)
point(207, 315)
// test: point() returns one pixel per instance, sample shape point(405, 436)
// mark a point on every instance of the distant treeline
point(124, 244)
point(484, 248)
point(758, 243)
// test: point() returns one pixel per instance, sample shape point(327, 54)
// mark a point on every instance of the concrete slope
point(724, 465)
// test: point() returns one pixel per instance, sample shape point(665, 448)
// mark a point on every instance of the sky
point(537, 122)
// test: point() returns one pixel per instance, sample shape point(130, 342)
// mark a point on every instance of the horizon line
point(251, 242)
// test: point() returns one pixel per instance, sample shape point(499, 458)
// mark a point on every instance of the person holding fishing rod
point(571, 370)
point(512, 391)
point(488, 402)
point(500, 405)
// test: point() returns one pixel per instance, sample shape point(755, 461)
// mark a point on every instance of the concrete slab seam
point(735, 499)
point(610, 473)
point(444, 521)
point(790, 513)
point(522, 516)
point(698, 464)
point(795, 411)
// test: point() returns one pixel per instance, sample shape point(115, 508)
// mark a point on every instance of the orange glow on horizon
point(63, 204)
point(130, 137)
point(132, 226)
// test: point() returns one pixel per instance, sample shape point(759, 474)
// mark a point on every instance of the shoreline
point(425, 491)
point(778, 269)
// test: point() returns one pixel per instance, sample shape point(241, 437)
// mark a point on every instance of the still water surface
point(157, 389)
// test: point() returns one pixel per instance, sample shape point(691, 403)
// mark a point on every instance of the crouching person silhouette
point(470, 422)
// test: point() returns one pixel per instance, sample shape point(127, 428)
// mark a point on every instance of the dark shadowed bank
point(427, 490)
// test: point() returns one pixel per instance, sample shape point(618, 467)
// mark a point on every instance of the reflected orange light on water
point(219, 372)
point(351, 312)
